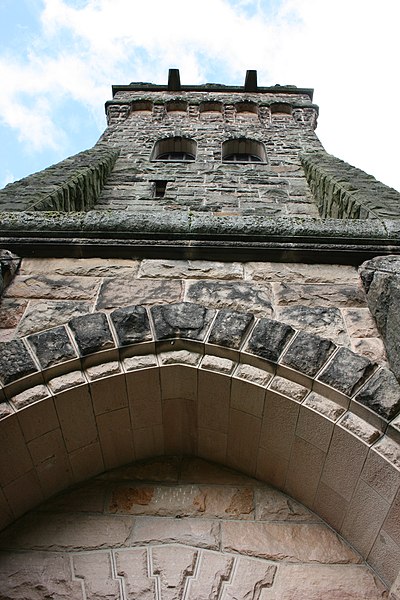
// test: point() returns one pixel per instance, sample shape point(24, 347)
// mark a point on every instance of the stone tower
point(188, 326)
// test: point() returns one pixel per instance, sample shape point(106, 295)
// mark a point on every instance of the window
point(175, 149)
point(176, 108)
point(242, 157)
point(246, 110)
point(281, 109)
point(210, 110)
point(142, 107)
point(160, 187)
point(243, 150)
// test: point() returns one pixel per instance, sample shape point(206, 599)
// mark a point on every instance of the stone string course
point(179, 528)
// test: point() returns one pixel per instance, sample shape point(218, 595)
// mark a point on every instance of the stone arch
point(288, 407)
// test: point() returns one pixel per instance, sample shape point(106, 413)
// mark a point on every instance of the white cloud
point(346, 50)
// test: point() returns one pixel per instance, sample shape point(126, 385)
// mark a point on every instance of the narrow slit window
point(160, 187)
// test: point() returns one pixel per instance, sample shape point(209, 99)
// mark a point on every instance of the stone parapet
point(73, 184)
point(345, 192)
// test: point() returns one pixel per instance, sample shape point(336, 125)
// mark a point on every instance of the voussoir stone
point(229, 328)
point(91, 332)
point(269, 338)
point(183, 320)
point(381, 394)
point(307, 353)
point(346, 371)
point(52, 347)
point(131, 324)
point(15, 361)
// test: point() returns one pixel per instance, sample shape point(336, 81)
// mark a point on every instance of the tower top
point(174, 85)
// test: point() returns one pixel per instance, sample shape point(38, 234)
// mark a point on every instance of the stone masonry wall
point(276, 187)
point(327, 300)
point(181, 529)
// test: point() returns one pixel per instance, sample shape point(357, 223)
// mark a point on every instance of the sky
point(59, 58)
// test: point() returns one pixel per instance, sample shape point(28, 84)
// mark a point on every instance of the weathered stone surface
point(67, 532)
point(307, 353)
point(229, 328)
point(287, 542)
point(184, 501)
point(269, 338)
point(184, 320)
point(381, 394)
point(253, 374)
point(36, 576)
point(92, 333)
point(43, 314)
point(272, 505)
point(317, 582)
point(319, 295)
point(38, 392)
point(123, 292)
point(289, 388)
point(301, 273)
point(84, 267)
point(202, 533)
point(11, 311)
point(217, 363)
point(53, 287)
point(381, 279)
point(52, 347)
point(324, 406)
point(65, 382)
point(346, 371)
point(371, 348)
point(9, 264)
point(131, 324)
point(15, 361)
point(324, 321)
point(360, 428)
point(190, 269)
point(235, 296)
point(359, 322)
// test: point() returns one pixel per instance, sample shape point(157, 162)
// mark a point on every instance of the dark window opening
point(242, 157)
point(175, 156)
point(160, 187)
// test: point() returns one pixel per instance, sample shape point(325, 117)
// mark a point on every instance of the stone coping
point(184, 235)
point(273, 347)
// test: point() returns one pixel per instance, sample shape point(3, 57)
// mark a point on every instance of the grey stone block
point(308, 353)
point(381, 394)
point(131, 324)
point(269, 338)
point(346, 371)
point(15, 361)
point(52, 347)
point(183, 320)
point(229, 328)
point(91, 332)
point(233, 295)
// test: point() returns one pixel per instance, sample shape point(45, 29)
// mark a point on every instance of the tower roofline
point(250, 85)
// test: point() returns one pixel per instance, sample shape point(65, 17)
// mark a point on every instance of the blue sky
point(59, 58)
